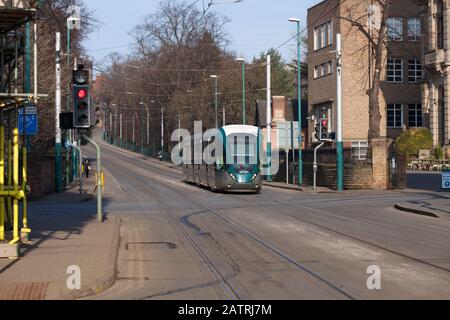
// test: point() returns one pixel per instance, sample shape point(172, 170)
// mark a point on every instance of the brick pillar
point(380, 163)
point(432, 27)
point(433, 103)
point(279, 108)
point(426, 107)
point(446, 121)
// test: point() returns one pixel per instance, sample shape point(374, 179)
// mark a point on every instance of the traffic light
point(324, 130)
point(82, 107)
point(317, 134)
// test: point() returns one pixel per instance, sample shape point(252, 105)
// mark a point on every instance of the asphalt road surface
point(179, 241)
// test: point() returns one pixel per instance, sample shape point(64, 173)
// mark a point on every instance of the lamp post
point(162, 129)
point(299, 97)
point(142, 127)
point(148, 126)
point(216, 104)
point(244, 111)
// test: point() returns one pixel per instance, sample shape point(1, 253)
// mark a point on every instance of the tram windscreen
point(242, 152)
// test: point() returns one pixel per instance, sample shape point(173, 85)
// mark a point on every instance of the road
point(179, 241)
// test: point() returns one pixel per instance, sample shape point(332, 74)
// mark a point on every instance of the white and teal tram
point(237, 168)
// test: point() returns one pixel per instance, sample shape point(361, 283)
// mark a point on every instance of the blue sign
point(446, 179)
point(30, 122)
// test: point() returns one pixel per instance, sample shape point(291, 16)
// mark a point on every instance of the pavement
point(65, 233)
point(282, 185)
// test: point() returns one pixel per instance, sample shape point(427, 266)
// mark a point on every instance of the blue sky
point(255, 26)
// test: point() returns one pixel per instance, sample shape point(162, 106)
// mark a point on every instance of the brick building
point(436, 89)
point(400, 97)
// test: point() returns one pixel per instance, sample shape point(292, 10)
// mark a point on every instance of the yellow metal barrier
point(102, 177)
point(12, 191)
point(9, 200)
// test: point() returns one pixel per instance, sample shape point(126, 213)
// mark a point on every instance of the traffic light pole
point(99, 178)
point(339, 136)
point(316, 166)
point(80, 178)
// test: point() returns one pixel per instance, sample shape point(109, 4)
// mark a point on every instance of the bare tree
point(376, 35)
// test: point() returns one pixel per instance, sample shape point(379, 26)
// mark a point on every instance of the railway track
point(226, 279)
point(304, 220)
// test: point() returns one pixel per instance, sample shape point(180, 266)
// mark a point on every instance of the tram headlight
point(254, 176)
point(232, 176)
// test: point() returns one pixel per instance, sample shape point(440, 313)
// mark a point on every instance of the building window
point(394, 70)
point(414, 29)
point(359, 150)
point(323, 70)
point(394, 116)
point(415, 115)
point(323, 36)
point(414, 71)
point(395, 29)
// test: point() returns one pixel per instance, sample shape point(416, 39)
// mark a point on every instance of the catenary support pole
point(134, 132)
point(224, 120)
point(244, 104)
point(299, 95)
point(216, 102)
point(339, 136)
point(162, 129)
point(58, 143)
point(142, 129)
point(121, 129)
point(287, 153)
point(269, 119)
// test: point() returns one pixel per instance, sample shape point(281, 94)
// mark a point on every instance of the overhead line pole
point(58, 145)
point(299, 106)
point(339, 135)
point(269, 119)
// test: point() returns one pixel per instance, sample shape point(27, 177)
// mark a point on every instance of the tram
point(237, 168)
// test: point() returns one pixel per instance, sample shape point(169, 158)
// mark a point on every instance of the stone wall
point(357, 174)
point(41, 177)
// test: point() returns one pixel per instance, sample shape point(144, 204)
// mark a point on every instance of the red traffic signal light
point(82, 105)
point(324, 123)
point(82, 93)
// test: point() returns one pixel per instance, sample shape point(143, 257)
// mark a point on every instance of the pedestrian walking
point(87, 167)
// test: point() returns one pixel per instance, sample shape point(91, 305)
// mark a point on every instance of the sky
point(255, 26)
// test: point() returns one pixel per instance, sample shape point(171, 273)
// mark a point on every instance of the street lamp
point(299, 98)
point(216, 102)
point(244, 119)
point(148, 125)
